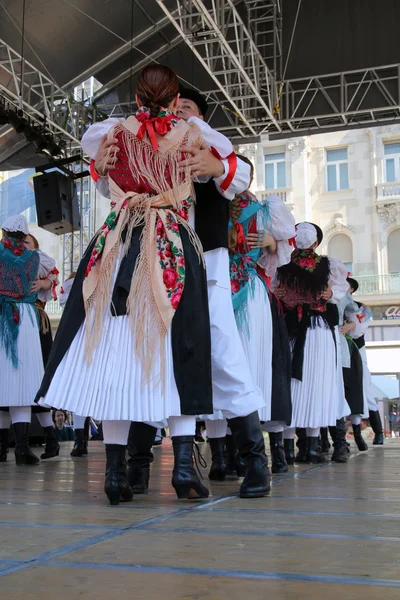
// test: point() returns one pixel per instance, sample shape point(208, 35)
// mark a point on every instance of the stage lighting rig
point(17, 120)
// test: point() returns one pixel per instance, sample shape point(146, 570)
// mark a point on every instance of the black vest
point(211, 216)
point(360, 342)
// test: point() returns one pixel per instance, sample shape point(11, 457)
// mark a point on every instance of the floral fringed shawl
point(18, 270)
point(159, 276)
point(243, 261)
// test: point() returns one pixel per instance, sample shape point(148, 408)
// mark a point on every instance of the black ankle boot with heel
point(302, 446)
point(338, 435)
point(289, 451)
point(3, 444)
point(140, 442)
point(116, 484)
point(218, 464)
point(52, 447)
point(23, 454)
point(185, 480)
point(358, 438)
point(314, 454)
point(249, 440)
point(79, 447)
point(279, 464)
point(376, 424)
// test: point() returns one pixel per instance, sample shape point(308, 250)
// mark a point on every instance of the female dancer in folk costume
point(362, 320)
point(134, 340)
point(234, 392)
point(309, 288)
point(352, 364)
point(21, 362)
point(45, 286)
point(258, 240)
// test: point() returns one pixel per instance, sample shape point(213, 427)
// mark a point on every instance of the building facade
point(349, 184)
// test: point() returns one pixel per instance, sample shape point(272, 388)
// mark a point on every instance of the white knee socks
point(183, 425)
point(355, 419)
point(45, 419)
point(216, 429)
point(4, 419)
point(288, 433)
point(312, 431)
point(79, 423)
point(273, 426)
point(114, 432)
point(20, 414)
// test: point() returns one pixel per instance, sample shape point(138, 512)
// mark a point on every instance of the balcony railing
point(53, 307)
point(388, 191)
point(285, 194)
point(371, 285)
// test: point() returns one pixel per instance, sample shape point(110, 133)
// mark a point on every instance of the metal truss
point(341, 100)
point(264, 19)
point(226, 49)
point(24, 87)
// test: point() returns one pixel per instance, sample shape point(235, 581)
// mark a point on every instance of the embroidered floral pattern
point(15, 246)
point(239, 271)
point(108, 225)
point(306, 259)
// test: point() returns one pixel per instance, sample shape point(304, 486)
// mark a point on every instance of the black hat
point(353, 283)
point(196, 97)
point(320, 235)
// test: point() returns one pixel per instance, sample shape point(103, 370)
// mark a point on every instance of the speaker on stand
point(57, 204)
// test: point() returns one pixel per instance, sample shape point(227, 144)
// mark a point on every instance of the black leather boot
point(185, 480)
point(325, 445)
point(289, 451)
point(116, 484)
point(218, 464)
point(230, 457)
point(314, 454)
point(3, 444)
point(79, 447)
point(250, 442)
point(338, 435)
point(86, 435)
point(302, 445)
point(358, 438)
point(140, 441)
point(376, 424)
point(52, 447)
point(279, 464)
point(23, 454)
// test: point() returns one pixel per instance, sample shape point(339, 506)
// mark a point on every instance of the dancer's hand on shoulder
point(202, 162)
point(261, 240)
point(106, 155)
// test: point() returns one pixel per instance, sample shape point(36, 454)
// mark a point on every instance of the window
point(393, 250)
point(392, 162)
point(337, 170)
point(341, 247)
point(275, 171)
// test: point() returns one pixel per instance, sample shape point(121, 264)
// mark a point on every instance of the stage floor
point(326, 532)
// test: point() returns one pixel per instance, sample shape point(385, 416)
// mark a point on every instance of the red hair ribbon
point(361, 317)
point(292, 242)
point(93, 173)
point(153, 127)
point(232, 166)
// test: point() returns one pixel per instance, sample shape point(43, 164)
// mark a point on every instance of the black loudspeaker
point(56, 203)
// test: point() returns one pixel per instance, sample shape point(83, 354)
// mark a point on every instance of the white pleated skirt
point(111, 386)
point(235, 393)
point(256, 337)
point(18, 387)
point(318, 400)
point(369, 399)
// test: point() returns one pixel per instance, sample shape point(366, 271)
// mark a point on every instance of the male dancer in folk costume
point(233, 388)
point(362, 320)
point(352, 366)
point(146, 264)
point(21, 362)
point(258, 242)
point(309, 287)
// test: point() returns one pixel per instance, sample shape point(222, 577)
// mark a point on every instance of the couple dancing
point(148, 333)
